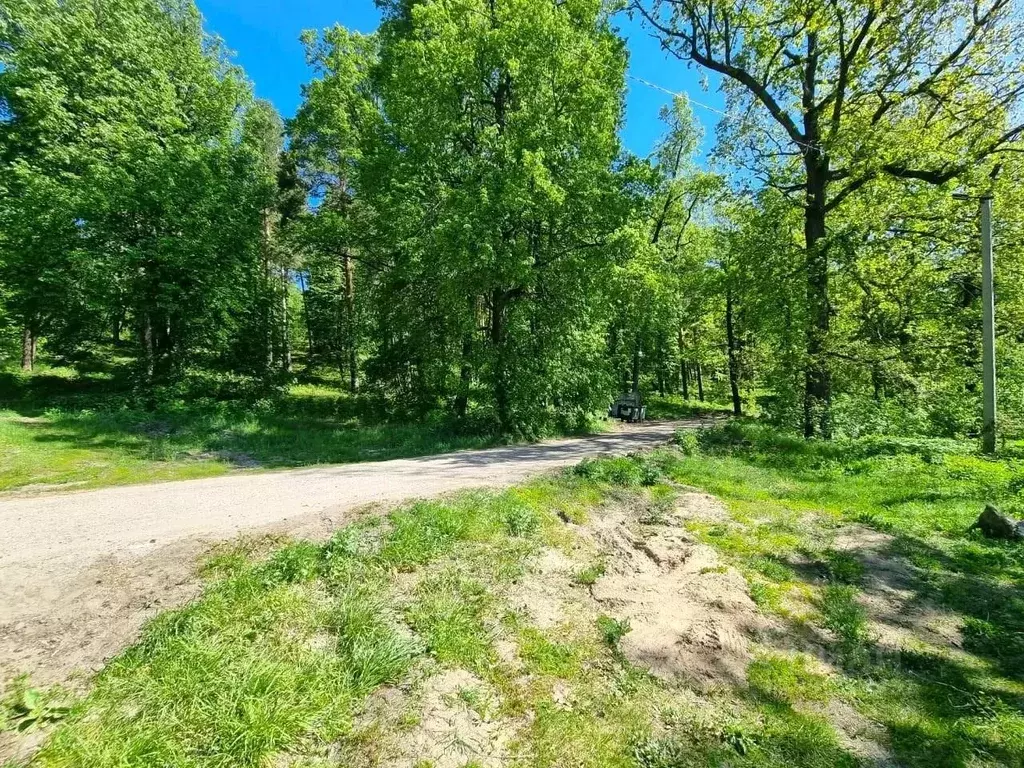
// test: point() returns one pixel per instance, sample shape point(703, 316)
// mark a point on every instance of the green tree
point(838, 95)
point(492, 181)
point(129, 195)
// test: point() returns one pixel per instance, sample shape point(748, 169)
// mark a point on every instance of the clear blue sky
point(265, 36)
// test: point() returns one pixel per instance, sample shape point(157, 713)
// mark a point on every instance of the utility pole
point(988, 325)
point(988, 329)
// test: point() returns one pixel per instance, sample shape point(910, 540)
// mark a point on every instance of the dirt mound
point(689, 616)
point(455, 725)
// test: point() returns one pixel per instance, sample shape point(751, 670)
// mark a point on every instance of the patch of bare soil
point(544, 594)
point(690, 617)
point(61, 632)
point(455, 726)
point(899, 616)
point(445, 719)
point(60, 629)
point(858, 735)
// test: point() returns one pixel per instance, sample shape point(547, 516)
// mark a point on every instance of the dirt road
point(80, 572)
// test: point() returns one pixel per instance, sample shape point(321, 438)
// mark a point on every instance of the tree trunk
point(310, 341)
point(500, 374)
point(148, 346)
point(115, 334)
point(465, 376)
point(661, 371)
point(684, 373)
point(818, 379)
point(466, 370)
point(700, 382)
point(350, 320)
point(268, 326)
point(636, 365)
point(286, 342)
point(28, 349)
point(734, 369)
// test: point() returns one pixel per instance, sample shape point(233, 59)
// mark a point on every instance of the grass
point(675, 407)
point(66, 429)
point(282, 658)
point(788, 498)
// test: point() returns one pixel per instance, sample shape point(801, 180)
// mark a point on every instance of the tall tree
point(493, 171)
point(328, 135)
point(129, 193)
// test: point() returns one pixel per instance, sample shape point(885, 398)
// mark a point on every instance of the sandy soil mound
point(689, 615)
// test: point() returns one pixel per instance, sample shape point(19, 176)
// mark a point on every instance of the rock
point(995, 525)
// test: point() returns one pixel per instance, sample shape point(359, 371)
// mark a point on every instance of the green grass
point(275, 664)
point(589, 575)
point(65, 429)
point(788, 497)
point(675, 407)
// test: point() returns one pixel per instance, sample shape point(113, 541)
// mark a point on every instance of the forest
point(450, 226)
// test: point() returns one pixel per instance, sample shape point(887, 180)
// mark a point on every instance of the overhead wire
point(708, 107)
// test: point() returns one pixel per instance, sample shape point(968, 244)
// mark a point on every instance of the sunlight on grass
point(274, 664)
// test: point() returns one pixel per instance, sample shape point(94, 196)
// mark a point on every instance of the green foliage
point(588, 576)
point(26, 709)
point(841, 613)
point(612, 631)
point(824, 272)
point(638, 469)
point(448, 614)
point(133, 194)
point(480, 249)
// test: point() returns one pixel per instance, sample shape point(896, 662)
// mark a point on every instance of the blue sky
point(264, 34)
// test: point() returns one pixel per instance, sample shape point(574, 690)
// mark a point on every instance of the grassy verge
point(943, 675)
point(411, 640)
point(64, 429)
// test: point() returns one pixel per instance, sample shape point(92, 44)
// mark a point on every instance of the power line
point(686, 96)
point(708, 107)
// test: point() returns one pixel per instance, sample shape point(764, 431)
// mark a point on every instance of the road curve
point(45, 535)
point(81, 573)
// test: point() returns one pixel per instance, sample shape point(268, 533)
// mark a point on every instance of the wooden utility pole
point(988, 325)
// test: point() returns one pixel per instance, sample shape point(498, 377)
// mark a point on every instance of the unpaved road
point(80, 572)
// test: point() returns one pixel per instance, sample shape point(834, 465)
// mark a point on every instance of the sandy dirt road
point(80, 572)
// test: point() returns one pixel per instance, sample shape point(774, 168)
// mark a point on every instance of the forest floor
point(827, 607)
